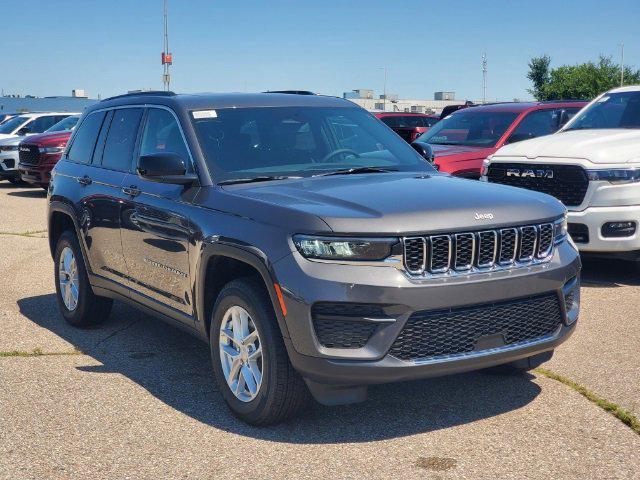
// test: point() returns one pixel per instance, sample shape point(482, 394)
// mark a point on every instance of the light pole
point(167, 58)
point(484, 78)
point(384, 89)
point(621, 64)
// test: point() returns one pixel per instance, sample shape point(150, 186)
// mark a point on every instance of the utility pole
point(384, 89)
point(484, 78)
point(621, 64)
point(167, 58)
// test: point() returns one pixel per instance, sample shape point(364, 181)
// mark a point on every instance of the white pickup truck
point(592, 165)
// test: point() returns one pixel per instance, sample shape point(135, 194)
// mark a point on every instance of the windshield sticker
point(204, 114)
point(603, 99)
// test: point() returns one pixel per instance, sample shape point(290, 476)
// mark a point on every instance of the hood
point(597, 146)
point(403, 203)
point(49, 138)
point(10, 140)
point(4, 136)
point(460, 152)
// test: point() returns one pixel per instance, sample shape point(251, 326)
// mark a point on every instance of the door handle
point(84, 181)
point(132, 191)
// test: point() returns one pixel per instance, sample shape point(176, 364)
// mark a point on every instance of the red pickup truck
point(461, 141)
point(39, 153)
point(408, 125)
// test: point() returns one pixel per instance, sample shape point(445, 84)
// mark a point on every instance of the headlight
point(336, 248)
point(51, 149)
point(8, 148)
point(560, 229)
point(484, 170)
point(618, 175)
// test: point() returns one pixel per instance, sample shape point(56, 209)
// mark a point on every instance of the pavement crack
point(37, 352)
point(116, 332)
point(625, 416)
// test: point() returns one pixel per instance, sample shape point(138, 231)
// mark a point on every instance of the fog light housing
point(618, 229)
point(571, 297)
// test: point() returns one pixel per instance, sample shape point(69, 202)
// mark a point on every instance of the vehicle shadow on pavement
point(32, 193)
point(608, 273)
point(175, 368)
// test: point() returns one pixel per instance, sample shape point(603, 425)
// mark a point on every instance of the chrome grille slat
point(472, 252)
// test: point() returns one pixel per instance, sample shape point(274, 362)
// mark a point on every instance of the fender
point(58, 206)
point(249, 254)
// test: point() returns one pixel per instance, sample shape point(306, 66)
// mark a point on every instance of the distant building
point(361, 93)
point(444, 96)
point(76, 103)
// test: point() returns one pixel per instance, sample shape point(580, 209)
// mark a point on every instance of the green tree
point(582, 81)
point(539, 75)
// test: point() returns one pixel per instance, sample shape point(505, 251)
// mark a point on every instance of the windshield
point(470, 127)
point(241, 143)
point(613, 110)
point(9, 126)
point(64, 125)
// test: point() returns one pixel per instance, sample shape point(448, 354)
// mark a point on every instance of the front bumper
point(305, 283)
point(593, 218)
point(9, 164)
point(35, 174)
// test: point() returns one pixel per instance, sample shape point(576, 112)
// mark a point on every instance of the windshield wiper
point(263, 178)
point(349, 171)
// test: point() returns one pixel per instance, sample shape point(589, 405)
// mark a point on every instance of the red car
point(461, 141)
point(39, 153)
point(408, 125)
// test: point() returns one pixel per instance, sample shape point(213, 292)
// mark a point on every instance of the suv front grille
point(460, 252)
point(430, 334)
point(29, 154)
point(568, 183)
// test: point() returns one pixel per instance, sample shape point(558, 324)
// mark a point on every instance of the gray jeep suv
point(309, 245)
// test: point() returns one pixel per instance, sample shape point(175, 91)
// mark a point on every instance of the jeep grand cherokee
point(310, 246)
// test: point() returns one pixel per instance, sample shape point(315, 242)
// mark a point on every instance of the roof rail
point(569, 100)
point(291, 92)
point(140, 93)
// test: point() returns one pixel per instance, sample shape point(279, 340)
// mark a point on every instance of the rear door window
point(121, 139)
point(84, 141)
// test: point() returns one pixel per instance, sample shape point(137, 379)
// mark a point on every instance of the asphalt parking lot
point(135, 398)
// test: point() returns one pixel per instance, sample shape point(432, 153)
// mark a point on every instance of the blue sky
point(328, 46)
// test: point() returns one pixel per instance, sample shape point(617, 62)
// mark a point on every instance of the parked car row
point(593, 166)
point(19, 127)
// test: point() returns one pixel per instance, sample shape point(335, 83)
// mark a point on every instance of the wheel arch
point(234, 261)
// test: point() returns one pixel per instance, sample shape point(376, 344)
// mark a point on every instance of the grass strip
point(625, 416)
point(29, 233)
point(37, 352)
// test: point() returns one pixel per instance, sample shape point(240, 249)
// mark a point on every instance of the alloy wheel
point(68, 278)
point(240, 349)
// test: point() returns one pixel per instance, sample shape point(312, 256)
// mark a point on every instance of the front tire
point(76, 300)
point(250, 360)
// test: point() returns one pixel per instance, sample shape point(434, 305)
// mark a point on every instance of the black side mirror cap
point(23, 131)
point(165, 167)
point(425, 150)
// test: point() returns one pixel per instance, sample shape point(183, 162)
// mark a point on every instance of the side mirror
point(425, 150)
point(165, 168)
point(23, 131)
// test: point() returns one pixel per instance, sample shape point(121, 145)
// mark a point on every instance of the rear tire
point(76, 300)
point(273, 391)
